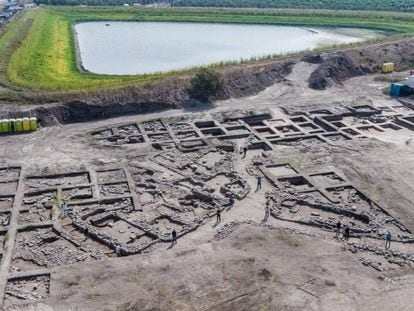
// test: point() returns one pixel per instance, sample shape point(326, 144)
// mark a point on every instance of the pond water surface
point(122, 48)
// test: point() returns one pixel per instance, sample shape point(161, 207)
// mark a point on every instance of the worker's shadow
point(217, 223)
point(172, 245)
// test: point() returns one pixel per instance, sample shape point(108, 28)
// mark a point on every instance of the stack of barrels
point(18, 125)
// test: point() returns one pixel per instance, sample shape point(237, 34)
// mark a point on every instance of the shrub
point(205, 85)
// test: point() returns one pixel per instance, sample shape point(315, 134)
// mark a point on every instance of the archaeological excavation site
point(88, 210)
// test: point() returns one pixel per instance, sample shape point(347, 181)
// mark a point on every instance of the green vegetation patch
point(39, 53)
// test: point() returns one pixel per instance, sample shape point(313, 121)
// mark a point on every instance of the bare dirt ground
point(130, 182)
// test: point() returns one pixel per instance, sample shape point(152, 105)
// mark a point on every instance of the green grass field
point(38, 51)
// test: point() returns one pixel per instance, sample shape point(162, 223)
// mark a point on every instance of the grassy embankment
point(38, 50)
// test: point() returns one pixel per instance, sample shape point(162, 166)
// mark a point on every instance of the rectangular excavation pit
point(115, 189)
point(164, 226)
point(78, 193)
point(369, 130)
point(168, 145)
point(4, 219)
point(308, 214)
point(288, 129)
point(85, 210)
point(327, 179)
point(205, 124)
point(295, 141)
point(128, 130)
point(39, 199)
point(159, 137)
point(271, 137)
point(351, 132)
point(102, 134)
point(9, 174)
point(186, 134)
point(299, 119)
point(147, 197)
point(8, 188)
point(354, 121)
point(299, 183)
point(391, 126)
point(338, 124)
point(409, 119)
point(192, 144)
point(265, 131)
point(118, 229)
point(364, 110)
point(27, 217)
point(351, 199)
point(256, 119)
point(6, 202)
point(238, 188)
point(195, 213)
point(153, 126)
point(320, 112)
point(217, 182)
point(43, 247)
point(258, 125)
point(137, 139)
point(57, 180)
point(212, 158)
point(181, 126)
point(27, 289)
point(213, 132)
point(277, 122)
point(37, 207)
point(239, 129)
point(3, 241)
point(281, 170)
point(108, 176)
point(336, 136)
point(234, 136)
point(309, 126)
point(260, 146)
point(317, 132)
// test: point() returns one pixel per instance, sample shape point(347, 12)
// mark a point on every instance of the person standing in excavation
point(173, 237)
point(338, 229)
point(388, 238)
point(218, 214)
point(347, 234)
point(259, 183)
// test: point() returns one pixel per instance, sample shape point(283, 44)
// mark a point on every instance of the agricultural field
point(39, 53)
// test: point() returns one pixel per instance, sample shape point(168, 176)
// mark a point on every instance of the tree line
point(97, 2)
point(372, 5)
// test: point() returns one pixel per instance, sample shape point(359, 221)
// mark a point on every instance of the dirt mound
point(335, 69)
point(239, 82)
point(312, 59)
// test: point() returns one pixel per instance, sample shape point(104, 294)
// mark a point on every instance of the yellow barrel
point(26, 125)
point(33, 124)
point(12, 125)
point(18, 125)
point(388, 67)
point(5, 128)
